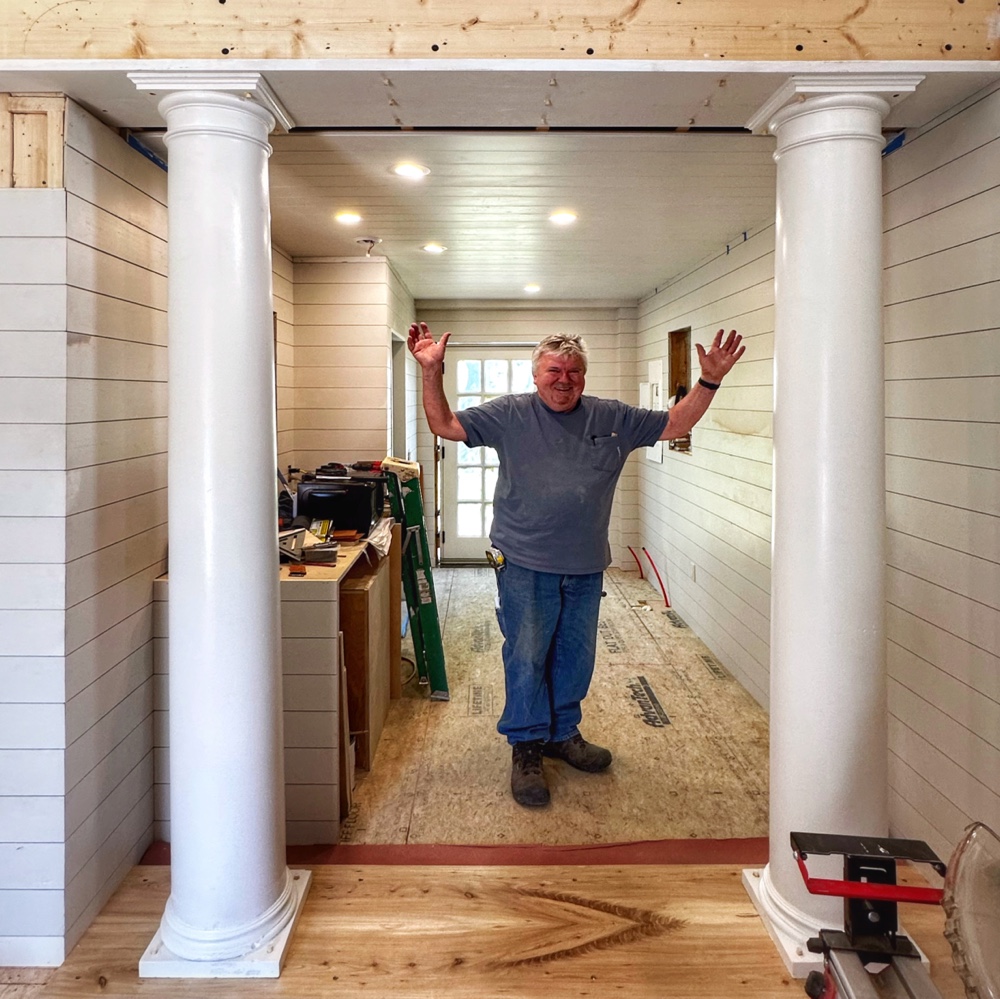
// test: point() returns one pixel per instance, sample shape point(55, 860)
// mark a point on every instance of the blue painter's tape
point(894, 143)
point(148, 153)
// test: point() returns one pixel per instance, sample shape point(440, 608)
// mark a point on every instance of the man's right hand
point(422, 346)
point(430, 357)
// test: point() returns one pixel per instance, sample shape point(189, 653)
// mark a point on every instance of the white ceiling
point(506, 144)
point(647, 204)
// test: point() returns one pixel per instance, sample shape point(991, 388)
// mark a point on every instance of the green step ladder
point(406, 505)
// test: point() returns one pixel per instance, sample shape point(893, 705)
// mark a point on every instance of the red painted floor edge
point(666, 851)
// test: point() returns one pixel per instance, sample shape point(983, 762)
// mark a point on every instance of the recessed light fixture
point(532, 289)
point(411, 171)
point(434, 248)
point(562, 217)
point(348, 218)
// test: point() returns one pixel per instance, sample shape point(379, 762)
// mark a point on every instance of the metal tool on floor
point(406, 505)
point(871, 927)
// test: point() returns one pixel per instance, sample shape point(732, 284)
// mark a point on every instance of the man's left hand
point(717, 361)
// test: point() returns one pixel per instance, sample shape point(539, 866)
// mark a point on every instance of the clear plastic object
point(972, 909)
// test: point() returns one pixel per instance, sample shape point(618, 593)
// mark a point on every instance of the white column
point(828, 702)
point(233, 900)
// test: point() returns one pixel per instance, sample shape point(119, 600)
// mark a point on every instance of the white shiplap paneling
point(108, 419)
point(342, 380)
point(32, 573)
point(943, 440)
point(283, 290)
point(707, 514)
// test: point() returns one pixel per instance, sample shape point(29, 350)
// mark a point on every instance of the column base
point(264, 961)
point(787, 926)
point(779, 920)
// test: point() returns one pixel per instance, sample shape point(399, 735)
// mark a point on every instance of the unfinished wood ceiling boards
point(517, 29)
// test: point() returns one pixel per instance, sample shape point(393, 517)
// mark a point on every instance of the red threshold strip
point(663, 851)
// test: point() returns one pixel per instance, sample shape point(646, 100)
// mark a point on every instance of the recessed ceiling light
point(532, 289)
point(412, 171)
point(348, 218)
point(562, 217)
point(434, 248)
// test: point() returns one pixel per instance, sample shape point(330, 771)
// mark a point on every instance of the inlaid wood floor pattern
point(690, 744)
point(645, 932)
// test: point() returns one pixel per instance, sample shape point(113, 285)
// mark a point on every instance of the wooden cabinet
point(364, 620)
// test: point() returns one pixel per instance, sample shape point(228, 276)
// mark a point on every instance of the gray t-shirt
point(558, 473)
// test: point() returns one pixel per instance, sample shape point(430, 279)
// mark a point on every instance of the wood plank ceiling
point(648, 205)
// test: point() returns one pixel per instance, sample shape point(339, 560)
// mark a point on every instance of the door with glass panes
point(469, 475)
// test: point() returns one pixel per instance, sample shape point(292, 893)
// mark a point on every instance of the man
point(561, 453)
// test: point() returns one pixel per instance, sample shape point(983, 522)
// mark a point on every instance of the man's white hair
point(562, 345)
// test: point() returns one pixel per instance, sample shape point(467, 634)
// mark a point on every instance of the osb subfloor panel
point(464, 932)
point(442, 773)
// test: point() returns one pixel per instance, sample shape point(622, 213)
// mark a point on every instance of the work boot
point(527, 782)
point(579, 753)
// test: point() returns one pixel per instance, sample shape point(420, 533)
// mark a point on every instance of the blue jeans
point(549, 625)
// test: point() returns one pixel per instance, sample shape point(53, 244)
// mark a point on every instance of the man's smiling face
point(560, 381)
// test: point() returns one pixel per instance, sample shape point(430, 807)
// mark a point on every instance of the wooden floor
point(441, 773)
point(644, 932)
point(556, 931)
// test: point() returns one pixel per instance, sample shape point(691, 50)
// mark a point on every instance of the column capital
point(891, 87)
point(245, 84)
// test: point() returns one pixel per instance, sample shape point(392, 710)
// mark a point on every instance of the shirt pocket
point(606, 456)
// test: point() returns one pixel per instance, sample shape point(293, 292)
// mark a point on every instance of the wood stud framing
point(31, 140)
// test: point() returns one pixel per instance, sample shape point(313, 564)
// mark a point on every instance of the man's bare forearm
point(440, 418)
point(685, 414)
point(715, 364)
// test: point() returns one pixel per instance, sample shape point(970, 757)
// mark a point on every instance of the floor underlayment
point(695, 768)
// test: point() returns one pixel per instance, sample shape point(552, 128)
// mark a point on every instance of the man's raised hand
point(422, 346)
point(717, 361)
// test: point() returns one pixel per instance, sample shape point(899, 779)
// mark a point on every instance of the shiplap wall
point(283, 283)
point(624, 531)
point(98, 478)
point(413, 414)
point(116, 532)
point(401, 314)
point(942, 313)
point(706, 516)
point(342, 360)
point(607, 330)
point(33, 501)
